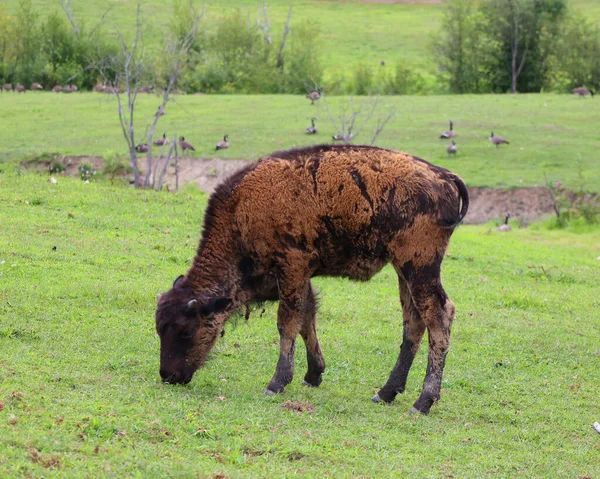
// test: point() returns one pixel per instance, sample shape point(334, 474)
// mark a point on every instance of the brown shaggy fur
point(319, 211)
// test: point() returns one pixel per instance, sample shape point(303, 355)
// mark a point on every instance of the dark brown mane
point(307, 151)
point(219, 196)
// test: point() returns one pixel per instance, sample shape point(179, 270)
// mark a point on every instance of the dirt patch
point(487, 204)
point(524, 204)
point(298, 406)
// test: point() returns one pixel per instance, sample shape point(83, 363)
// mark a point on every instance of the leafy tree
point(463, 48)
point(577, 56)
point(524, 32)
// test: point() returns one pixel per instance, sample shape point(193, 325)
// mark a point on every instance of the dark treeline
point(483, 46)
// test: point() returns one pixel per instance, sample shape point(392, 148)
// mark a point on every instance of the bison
point(320, 211)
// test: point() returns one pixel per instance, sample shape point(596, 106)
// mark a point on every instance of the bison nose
point(174, 377)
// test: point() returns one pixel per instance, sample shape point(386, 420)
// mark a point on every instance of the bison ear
point(216, 306)
point(178, 280)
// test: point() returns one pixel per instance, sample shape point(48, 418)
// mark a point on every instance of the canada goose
point(314, 95)
point(582, 91)
point(449, 133)
point(223, 144)
point(184, 145)
point(497, 140)
point(7, 87)
point(452, 149)
point(160, 111)
point(312, 129)
point(56, 88)
point(161, 141)
point(20, 89)
point(346, 137)
point(99, 88)
point(68, 89)
point(111, 89)
point(36, 86)
point(505, 226)
point(142, 148)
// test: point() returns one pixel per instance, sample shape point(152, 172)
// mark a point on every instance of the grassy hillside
point(80, 396)
point(550, 134)
point(350, 32)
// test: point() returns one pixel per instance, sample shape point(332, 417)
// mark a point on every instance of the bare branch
point(381, 123)
point(286, 31)
point(100, 22)
point(177, 50)
point(158, 186)
point(67, 9)
point(265, 26)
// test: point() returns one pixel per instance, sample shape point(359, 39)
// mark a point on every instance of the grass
point(551, 134)
point(80, 396)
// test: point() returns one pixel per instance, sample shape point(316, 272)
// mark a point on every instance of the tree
point(462, 48)
point(126, 71)
point(524, 32)
point(577, 57)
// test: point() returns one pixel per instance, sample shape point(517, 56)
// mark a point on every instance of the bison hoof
point(268, 392)
point(376, 398)
point(414, 410)
point(306, 383)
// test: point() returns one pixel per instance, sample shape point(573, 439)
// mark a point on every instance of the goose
point(582, 91)
point(160, 111)
point(452, 149)
point(99, 88)
point(7, 87)
point(142, 148)
point(36, 86)
point(20, 89)
point(161, 141)
point(497, 140)
point(223, 144)
point(312, 129)
point(184, 145)
point(68, 89)
point(449, 133)
point(314, 95)
point(346, 137)
point(56, 88)
point(505, 226)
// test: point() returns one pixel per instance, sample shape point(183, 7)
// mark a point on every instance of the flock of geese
point(183, 144)
point(453, 147)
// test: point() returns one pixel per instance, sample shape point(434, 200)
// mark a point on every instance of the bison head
point(188, 324)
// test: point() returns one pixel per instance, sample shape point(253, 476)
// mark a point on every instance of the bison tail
point(463, 195)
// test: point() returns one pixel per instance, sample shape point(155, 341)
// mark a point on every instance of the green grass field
point(552, 134)
point(80, 395)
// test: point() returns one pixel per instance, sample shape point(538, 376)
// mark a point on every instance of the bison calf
point(325, 210)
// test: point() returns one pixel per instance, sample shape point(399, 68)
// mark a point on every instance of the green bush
point(86, 171)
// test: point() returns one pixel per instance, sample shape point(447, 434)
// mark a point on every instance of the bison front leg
point(289, 324)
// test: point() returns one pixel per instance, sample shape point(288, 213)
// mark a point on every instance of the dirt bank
point(487, 204)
